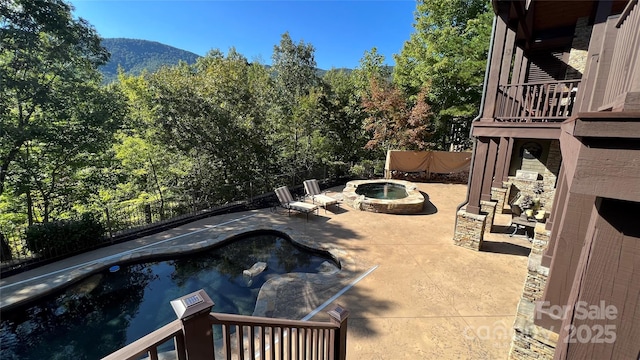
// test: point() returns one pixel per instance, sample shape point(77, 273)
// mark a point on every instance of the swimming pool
point(108, 310)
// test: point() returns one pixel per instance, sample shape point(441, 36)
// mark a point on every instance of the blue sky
point(340, 30)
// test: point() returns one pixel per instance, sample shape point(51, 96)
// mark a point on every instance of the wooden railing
point(246, 337)
point(243, 337)
point(149, 344)
point(536, 101)
point(625, 54)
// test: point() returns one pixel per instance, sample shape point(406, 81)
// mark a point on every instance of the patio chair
point(312, 189)
point(287, 202)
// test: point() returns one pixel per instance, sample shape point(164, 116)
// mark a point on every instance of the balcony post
point(495, 65)
point(477, 175)
point(339, 317)
point(504, 157)
point(489, 169)
point(193, 309)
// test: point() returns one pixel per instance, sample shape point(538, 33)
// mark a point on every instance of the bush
point(65, 236)
point(358, 171)
point(337, 169)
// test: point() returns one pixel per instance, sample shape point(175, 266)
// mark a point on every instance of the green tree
point(147, 168)
point(55, 116)
point(294, 73)
point(48, 169)
point(371, 68)
point(344, 124)
point(214, 112)
point(48, 62)
point(447, 54)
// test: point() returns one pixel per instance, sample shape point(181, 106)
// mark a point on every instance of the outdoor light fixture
point(192, 304)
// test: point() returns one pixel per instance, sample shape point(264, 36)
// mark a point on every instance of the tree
point(214, 112)
point(54, 114)
point(447, 53)
point(294, 73)
point(392, 122)
point(345, 119)
point(371, 68)
point(45, 54)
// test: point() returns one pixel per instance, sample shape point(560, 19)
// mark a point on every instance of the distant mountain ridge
point(135, 55)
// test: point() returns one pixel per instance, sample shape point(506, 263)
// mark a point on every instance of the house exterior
point(560, 122)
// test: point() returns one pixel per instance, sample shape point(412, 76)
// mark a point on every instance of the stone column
point(499, 195)
point(477, 175)
point(531, 341)
point(488, 208)
point(469, 231)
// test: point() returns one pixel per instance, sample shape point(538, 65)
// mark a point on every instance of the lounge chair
point(312, 189)
point(287, 202)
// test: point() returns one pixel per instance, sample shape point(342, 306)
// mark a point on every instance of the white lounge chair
point(287, 202)
point(312, 189)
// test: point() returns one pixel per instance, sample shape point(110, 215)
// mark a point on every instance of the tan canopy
point(439, 162)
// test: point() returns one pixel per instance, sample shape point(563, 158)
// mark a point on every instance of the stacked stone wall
point(469, 231)
point(531, 341)
point(549, 179)
point(499, 195)
point(579, 49)
point(488, 208)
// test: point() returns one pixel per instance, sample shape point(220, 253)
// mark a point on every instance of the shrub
point(64, 236)
point(337, 169)
point(358, 171)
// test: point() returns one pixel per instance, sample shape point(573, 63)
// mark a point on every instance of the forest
point(218, 130)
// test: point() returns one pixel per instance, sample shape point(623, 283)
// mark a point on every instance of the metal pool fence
point(124, 221)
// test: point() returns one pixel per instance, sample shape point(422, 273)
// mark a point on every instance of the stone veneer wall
point(469, 231)
point(488, 208)
point(579, 49)
point(531, 341)
point(549, 178)
point(499, 195)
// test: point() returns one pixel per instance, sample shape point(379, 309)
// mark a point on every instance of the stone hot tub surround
point(413, 203)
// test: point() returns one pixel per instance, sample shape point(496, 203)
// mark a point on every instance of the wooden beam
point(477, 174)
point(497, 51)
point(502, 161)
point(608, 125)
point(489, 168)
point(517, 130)
point(505, 173)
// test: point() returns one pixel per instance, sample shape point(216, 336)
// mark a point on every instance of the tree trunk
point(155, 179)
point(29, 208)
point(5, 250)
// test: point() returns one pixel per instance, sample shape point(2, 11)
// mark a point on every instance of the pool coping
point(413, 203)
point(215, 236)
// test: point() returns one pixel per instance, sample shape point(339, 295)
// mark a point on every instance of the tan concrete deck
point(427, 299)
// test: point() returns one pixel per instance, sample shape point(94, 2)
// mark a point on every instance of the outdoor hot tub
point(384, 196)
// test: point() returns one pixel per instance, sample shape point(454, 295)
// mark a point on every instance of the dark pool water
point(108, 310)
point(387, 191)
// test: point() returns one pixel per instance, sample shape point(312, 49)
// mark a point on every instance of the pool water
point(109, 310)
point(382, 191)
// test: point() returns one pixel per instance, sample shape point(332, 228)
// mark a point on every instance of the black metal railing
point(124, 220)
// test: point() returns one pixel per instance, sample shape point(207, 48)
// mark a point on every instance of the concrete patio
point(426, 299)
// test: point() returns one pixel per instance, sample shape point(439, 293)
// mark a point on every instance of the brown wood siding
point(608, 276)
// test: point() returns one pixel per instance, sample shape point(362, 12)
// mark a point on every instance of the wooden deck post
point(339, 317)
point(193, 309)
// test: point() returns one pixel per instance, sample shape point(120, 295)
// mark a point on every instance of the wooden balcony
point(536, 101)
point(241, 337)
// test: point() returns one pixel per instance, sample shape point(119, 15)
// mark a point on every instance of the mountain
point(136, 55)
